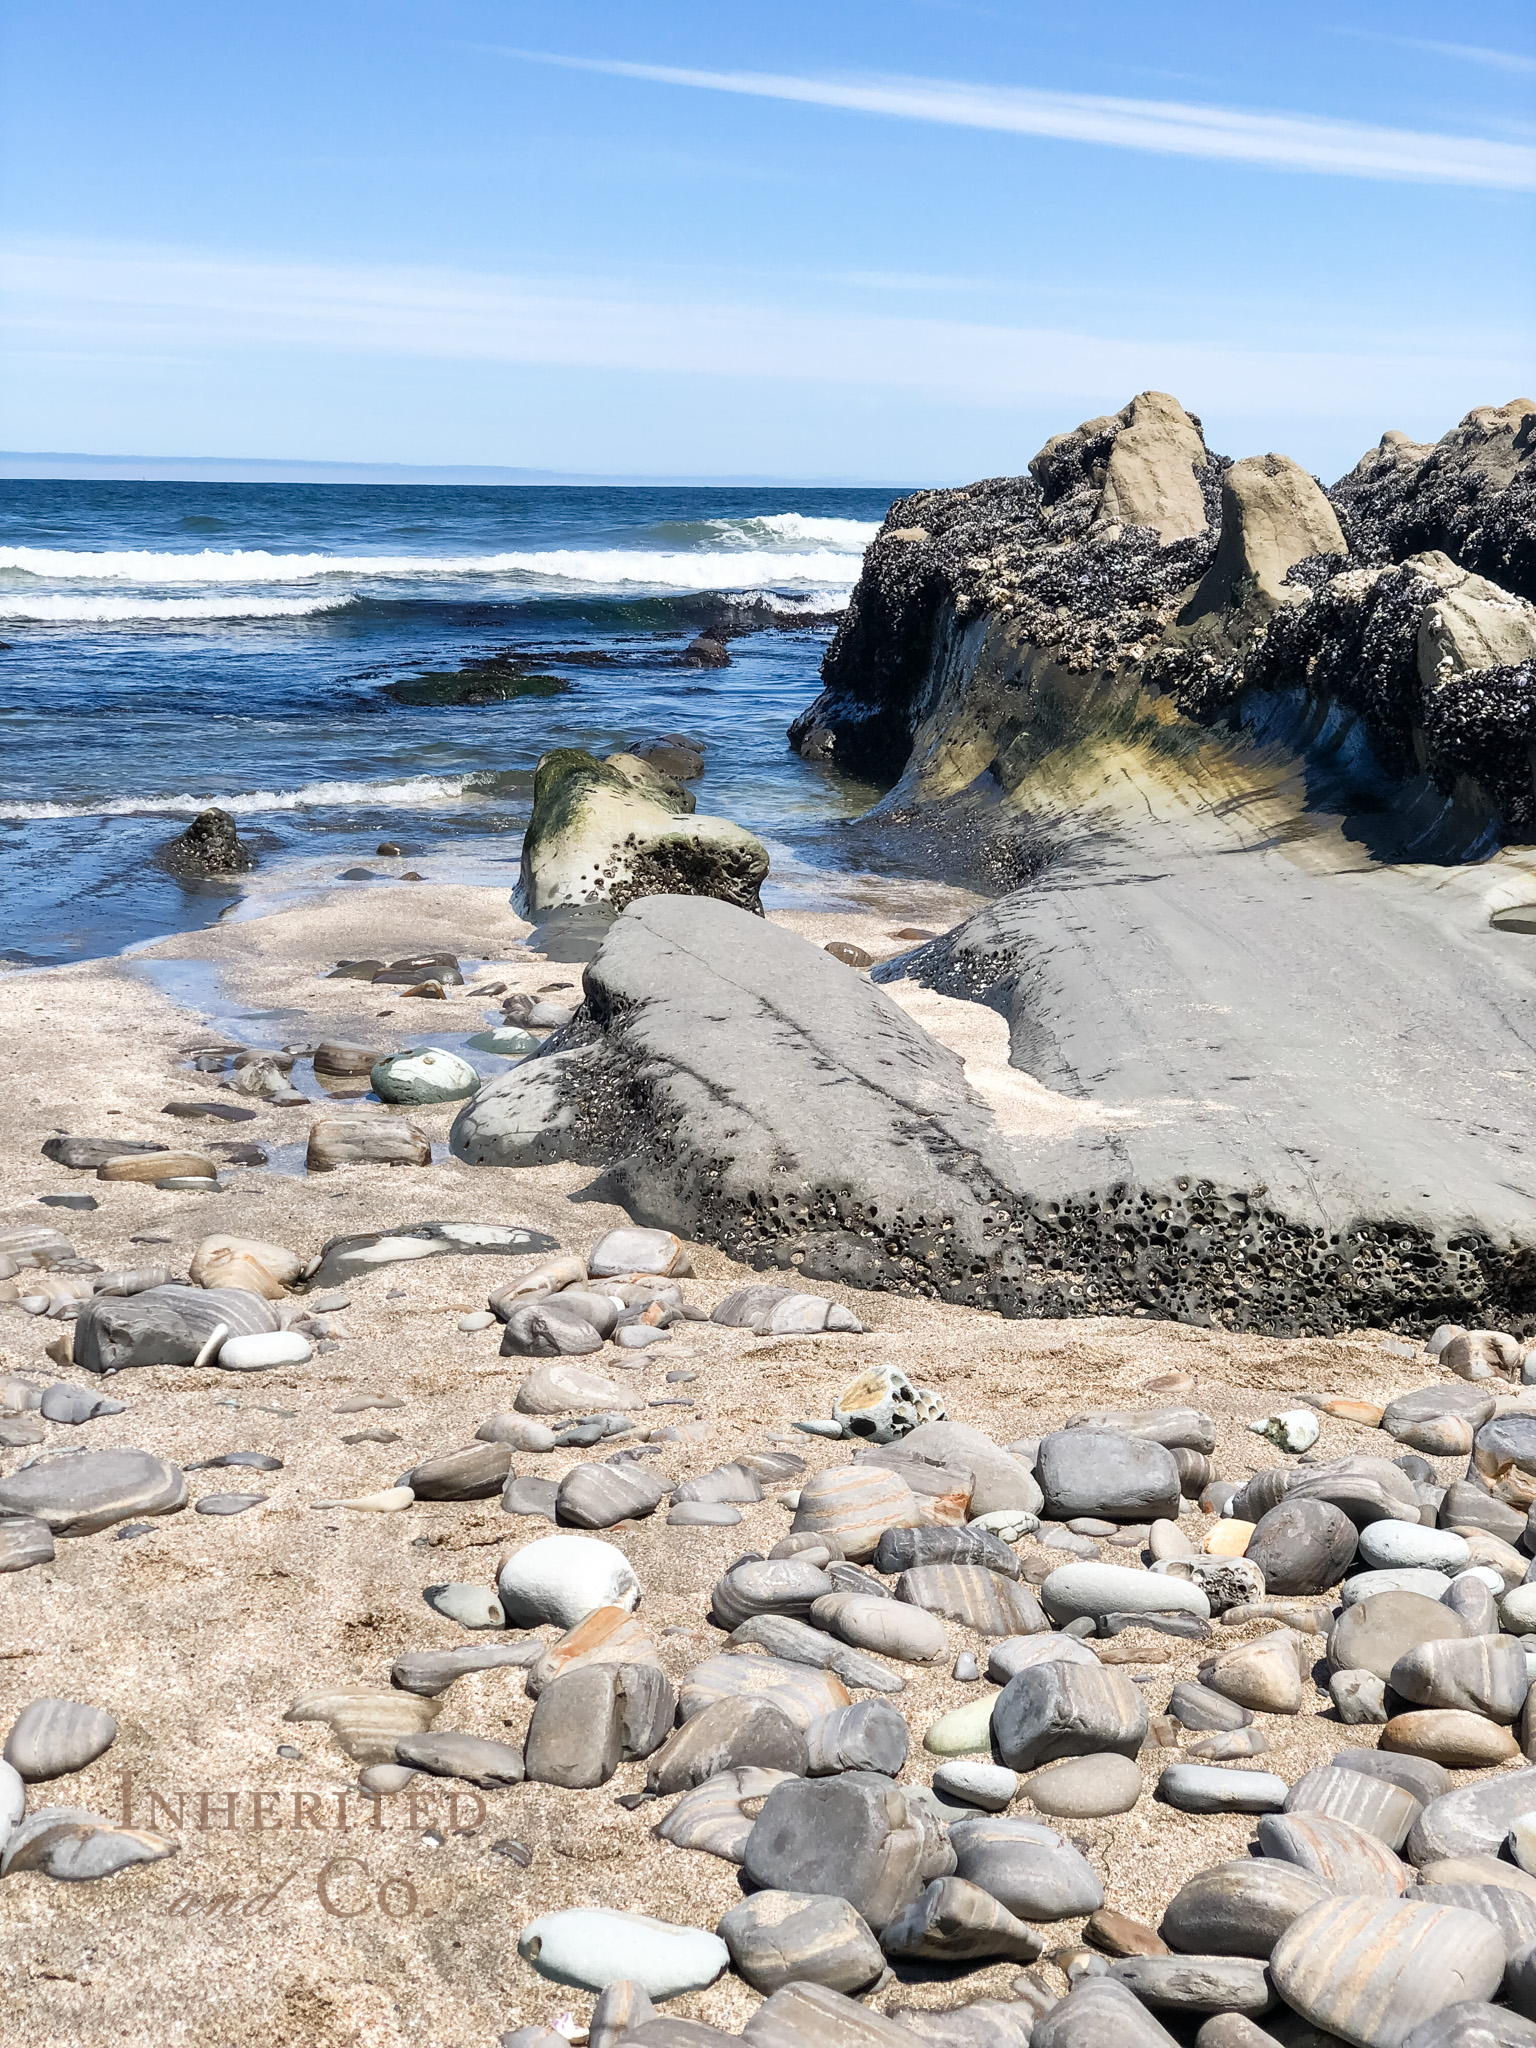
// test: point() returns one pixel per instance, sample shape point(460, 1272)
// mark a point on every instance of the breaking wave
point(414, 792)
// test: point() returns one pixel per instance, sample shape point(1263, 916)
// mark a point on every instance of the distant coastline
point(51, 466)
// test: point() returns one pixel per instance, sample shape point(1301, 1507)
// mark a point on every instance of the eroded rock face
point(615, 830)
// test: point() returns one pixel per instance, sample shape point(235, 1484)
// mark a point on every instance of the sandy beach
point(295, 1913)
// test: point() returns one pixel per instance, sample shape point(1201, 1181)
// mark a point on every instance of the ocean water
point(170, 646)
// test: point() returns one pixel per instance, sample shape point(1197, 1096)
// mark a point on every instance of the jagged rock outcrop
point(210, 846)
point(614, 830)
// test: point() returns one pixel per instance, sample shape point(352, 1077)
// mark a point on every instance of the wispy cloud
point(1289, 142)
point(1468, 53)
point(152, 302)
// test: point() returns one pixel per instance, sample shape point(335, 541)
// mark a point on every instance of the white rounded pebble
point(563, 1579)
point(1388, 1544)
point(482, 1319)
point(593, 1947)
point(271, 1347)
point(1009, 1525)
point(1485, 1575)
point(1293, 1429)
point(988, 1786)
point(1517, 1610)
point(1405, 1580)
point(1521, 1841)
point(1075, 1590)
point(13, 1799)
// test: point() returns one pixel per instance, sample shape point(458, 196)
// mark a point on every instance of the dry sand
point(198, 1635)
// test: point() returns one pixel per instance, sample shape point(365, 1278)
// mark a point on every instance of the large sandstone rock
point(1150, 478)
point(613, 831)
point(1273, 515)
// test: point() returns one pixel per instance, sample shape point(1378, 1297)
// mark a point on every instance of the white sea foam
point(109, 611)
point(795, 529)
point(590, 568)
point(416, 792)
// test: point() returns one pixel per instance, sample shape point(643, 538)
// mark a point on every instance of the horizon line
point(502, 475)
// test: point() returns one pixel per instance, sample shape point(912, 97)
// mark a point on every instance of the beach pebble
point(954, 1921)
point(390, 1500)
point(1027, 1866)
point(1459, 1740)
point(963, 1731)
point(778, 1937)
point(1085, 1787)
point(838, 1836)
point(966, 1670)
point(1106, 1475)
point(1370, 1969)
point(1302, 1546)
point(1344, 1856)
point(856, 1505)
point(731, 1735)
point(1374, 1804)
point(430, 1672)
point(1167, 1540)
point(1359, 1697)
point(52, 1737)
point(1091, 1590)
point(78, 1495)
point(1065, 1710)
point(24, 1541)
point(74, 1405)
point(256, 1354)
point(474, 1472)
point(868, 1736)
point(1405, 1579)
point(425, 1074)
point(598, 1496)
point(1202, 1788)
point(1473, 1820)
point(482, 1319)
point(724, 1483)
point(1517, 1610)
point(470, 1606)
point(1197, 1984)
point(902, 1550)
point(884, 1626)
point(1200, 1707)
point(989, 1787)
point(702, 1514)
point(562, 1389)
point(516, 1431)
point(630, 1250)
point(1481, 1675)
point(1265, 1675)
point(228, 1503)
point(74, 1846)
point(591, 1947)
point(981, 1599)
point(787, 1585)
point(563, 1579)
point(1372, 1634)
point(490, 1765)
point(1239, 1908)
point(1387, 1546)
point(366, 1141)
point(382, 1781)
point(550, 1329)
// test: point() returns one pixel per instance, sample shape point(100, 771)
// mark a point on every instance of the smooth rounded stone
point(470, 1606)
point(1504, 1457)
point(577, 1735)
point(905, 1550)
point(1517, 1610)
point(591, 1947)
point(550, 1329)
point(228, 1503)
point(1302, 1546)
point(1007, 1659)
point(843, 1837)
point(482, 1319)
point(634, 1250)
point(971, 1594)
point(1069, 1541)
point(1461, 1741)
point(1491, 1555)
point(987, 1786)
point(1198, 1706)
point(1473, 1820)
point(24, 1541)
point(474, 1472)
point(803, 1693)
point(1008, 1525)
point(425, 1074)
point(867, 1736)
point(1074, 1591)
point(856, 1504)
point(598, 1496)
point(1098, 2013)
point(1481, 1675)
point(1473, 2023)
point(517, 1432)
point(524, 1494)
point(1057, 1709)
point(778, 1938)
point(1085, 1787)
point(78, 1495)
point(1196, 1983)
point(1373, 1633)
point(1470, 1596)
point(1027, 1867)
point(382, 1781)
point(1116, 1934)
point(789, 1585)
point(1371, 1970)
point(703, 1514)
point(1375, 1805)
point(259, 1353)
point(1424, 1780)
point(963, 1731)
point(563, 1579)
point(966, 1670)
point(620, 2008)
point(446, 1754)
point(1205, 1788)
point(1512, 1912)
point(74, 1405)
point(1343, 1856)
point(724, 1483)
point(1106, 1475)
point(731, 1735)
point(1167, 1540)
point(1239, 1908)
point(52, 1737)
point(796, 1642)
point(1000, 1480)
point(1366, 1488)
point(1386, 1546)
point(716, 1816)
point(1475, 1405)
point(1234, 1746)
point(1265, 1674)
point(1438, 1436)
point(1431, 1585)
point(887, 1627)
point(955, 1921)
point(1176, 1428)
point(73, 1846)
point(366, 1141)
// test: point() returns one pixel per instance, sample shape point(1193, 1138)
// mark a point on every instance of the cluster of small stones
point(1382, 1901)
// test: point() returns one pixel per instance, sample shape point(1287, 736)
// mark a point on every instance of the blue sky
point(901, 240)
